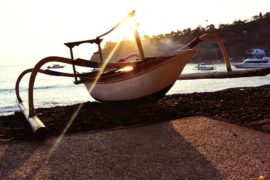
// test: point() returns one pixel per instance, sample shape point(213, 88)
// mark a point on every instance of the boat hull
point(252, 65)
point(144, 84)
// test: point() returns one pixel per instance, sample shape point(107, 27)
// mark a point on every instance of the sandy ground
point(188, 148)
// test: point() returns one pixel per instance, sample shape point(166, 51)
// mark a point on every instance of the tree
point(255, 17)
point(179, 32)
point(210, 27)
point(223, 26)
point(239, 22)
point(260, 15)
point(188, 31)
point(198, 30)
point(146, 37)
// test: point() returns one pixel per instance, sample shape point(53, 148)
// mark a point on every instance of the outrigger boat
point(204, 67)
point(128, 79)
point(55, 66)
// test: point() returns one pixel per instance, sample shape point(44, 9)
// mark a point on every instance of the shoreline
point(249, 107)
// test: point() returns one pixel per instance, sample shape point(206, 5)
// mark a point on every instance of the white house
point(256, 52)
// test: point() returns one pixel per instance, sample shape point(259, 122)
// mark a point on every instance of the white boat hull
point(146, 83)
point(253, 65)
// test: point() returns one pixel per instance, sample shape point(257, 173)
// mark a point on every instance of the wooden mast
point(138, 41)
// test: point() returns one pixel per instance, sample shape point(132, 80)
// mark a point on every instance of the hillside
point(238, 37)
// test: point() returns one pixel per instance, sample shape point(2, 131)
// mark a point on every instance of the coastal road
point(188, 148)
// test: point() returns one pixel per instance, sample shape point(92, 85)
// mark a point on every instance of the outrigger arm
point(219, 75)
point(213, 37)
point(36, 124)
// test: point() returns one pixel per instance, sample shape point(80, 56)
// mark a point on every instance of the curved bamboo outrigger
point(145, 78)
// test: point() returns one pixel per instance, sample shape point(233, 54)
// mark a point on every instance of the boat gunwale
point(140, 69)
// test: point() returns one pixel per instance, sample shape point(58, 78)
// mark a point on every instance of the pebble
point(240, 106)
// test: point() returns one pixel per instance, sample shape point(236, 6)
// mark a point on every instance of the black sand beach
point(248, 107)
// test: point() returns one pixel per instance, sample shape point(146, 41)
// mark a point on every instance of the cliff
point(238, 37)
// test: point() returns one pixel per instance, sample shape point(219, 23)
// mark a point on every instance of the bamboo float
point(37, 126)
point(221, 75)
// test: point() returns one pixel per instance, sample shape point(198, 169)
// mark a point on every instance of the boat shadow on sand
point(150, 152)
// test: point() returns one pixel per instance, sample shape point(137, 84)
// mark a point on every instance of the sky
point(33, 29)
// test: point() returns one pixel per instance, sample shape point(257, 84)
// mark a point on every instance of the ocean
point(53, 91)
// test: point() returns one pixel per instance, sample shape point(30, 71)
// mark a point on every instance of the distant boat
point(205, 67)
point(254, 63)
point(55, 66)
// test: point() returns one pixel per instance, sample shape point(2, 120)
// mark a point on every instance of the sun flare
point(127, 69)
point(126, 30)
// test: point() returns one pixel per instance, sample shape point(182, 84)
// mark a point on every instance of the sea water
point(53, 91)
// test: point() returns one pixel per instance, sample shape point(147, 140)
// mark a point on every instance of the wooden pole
point(138, 41)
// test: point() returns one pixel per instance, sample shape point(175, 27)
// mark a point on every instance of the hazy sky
point(33, 29)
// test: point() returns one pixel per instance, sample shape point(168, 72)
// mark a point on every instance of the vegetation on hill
point(238, 37)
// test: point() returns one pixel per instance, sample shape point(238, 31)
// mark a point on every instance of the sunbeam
point(74, 115)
